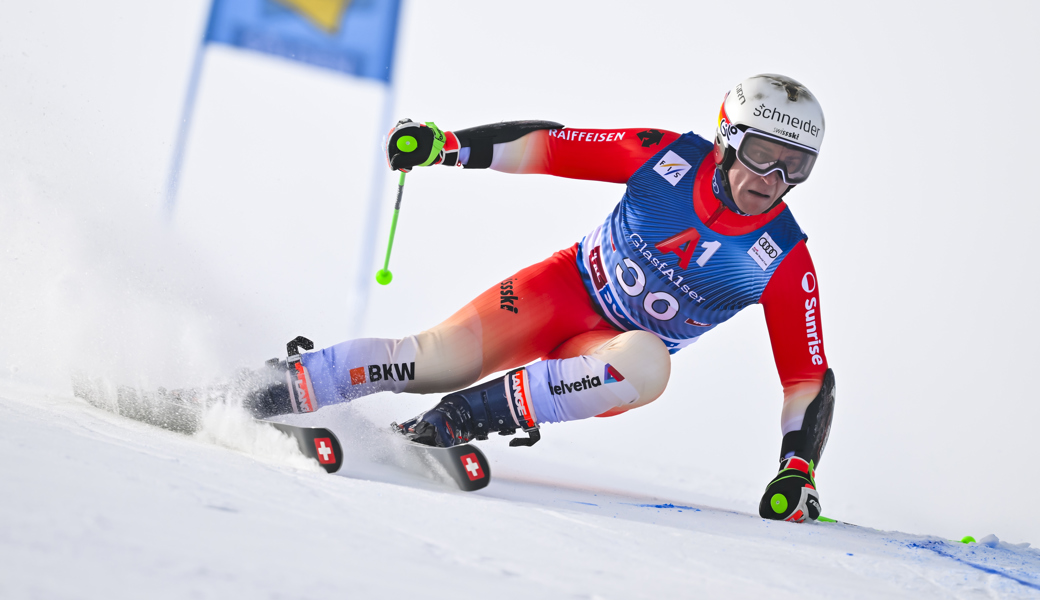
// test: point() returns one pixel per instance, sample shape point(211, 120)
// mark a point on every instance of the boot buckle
point(533, 436)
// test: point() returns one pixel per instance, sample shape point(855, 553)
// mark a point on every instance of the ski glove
point(411, 144)
point(791, 495)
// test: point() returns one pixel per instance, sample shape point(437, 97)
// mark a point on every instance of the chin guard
point(809, 441)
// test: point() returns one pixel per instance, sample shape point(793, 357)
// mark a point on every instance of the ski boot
point(470, 414)
point(283, 386)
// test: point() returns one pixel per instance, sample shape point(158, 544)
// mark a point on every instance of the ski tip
point(475, 473)
point(314, 442)
point(466, 465)
point(967, 540)
point(330, 458)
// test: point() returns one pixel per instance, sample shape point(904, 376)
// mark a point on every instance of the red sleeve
point(792, 305)
point(611, 155)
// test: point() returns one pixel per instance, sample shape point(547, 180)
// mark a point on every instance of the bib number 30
point(663, 305)
point(659, 305)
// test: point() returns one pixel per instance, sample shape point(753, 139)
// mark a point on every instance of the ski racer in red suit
point(700, 233)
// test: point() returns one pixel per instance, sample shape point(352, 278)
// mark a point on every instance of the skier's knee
point(629, 370)
point(642, 358)
point(450, 356)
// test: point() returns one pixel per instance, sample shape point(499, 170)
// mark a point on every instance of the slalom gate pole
point(384, 276)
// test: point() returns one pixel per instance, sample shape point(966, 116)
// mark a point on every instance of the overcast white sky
point(920, 215)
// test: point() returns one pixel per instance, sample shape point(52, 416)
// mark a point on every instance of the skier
point(700, 233)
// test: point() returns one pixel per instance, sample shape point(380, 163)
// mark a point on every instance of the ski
point(465, 465)
point(314, 442)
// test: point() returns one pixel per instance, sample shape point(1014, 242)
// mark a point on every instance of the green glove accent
point(779, 503)
point(407, 143)
point(438, 143)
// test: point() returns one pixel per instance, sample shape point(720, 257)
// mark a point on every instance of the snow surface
point(98, 506)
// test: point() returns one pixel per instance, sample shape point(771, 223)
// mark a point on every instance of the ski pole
point(384, 276)
point(405, 144)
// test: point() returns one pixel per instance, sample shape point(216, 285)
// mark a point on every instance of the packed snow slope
point(99, 506)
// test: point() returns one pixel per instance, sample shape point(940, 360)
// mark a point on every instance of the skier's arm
point(792, 307)
point(597, 154)
point(544, 147)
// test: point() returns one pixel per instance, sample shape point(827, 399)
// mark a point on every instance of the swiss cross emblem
point(325, 454)
point(472, 466)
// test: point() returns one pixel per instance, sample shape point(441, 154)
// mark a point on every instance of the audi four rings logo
point(770, 250)
point(765, 250)
point(808, 282)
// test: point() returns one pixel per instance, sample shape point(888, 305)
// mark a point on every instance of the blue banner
point(351, 36)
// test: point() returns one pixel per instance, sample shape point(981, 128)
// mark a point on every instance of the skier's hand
point(792, 495)
point(411, 144)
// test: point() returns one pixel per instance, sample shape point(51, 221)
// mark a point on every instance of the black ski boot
point(467, 415)
point(283, 386)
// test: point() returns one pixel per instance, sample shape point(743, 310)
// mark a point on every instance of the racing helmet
point(771, 123)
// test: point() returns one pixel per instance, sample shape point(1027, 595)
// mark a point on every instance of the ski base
point(314, 442)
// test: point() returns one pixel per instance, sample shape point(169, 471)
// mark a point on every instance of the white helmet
point(771, 123)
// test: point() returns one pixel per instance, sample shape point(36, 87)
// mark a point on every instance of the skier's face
point(753, 193)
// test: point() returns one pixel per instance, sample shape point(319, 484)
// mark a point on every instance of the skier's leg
point(604, 373)
point(639, 356)
point(516, 321)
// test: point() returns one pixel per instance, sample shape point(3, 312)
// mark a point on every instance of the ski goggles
point(762, 154)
